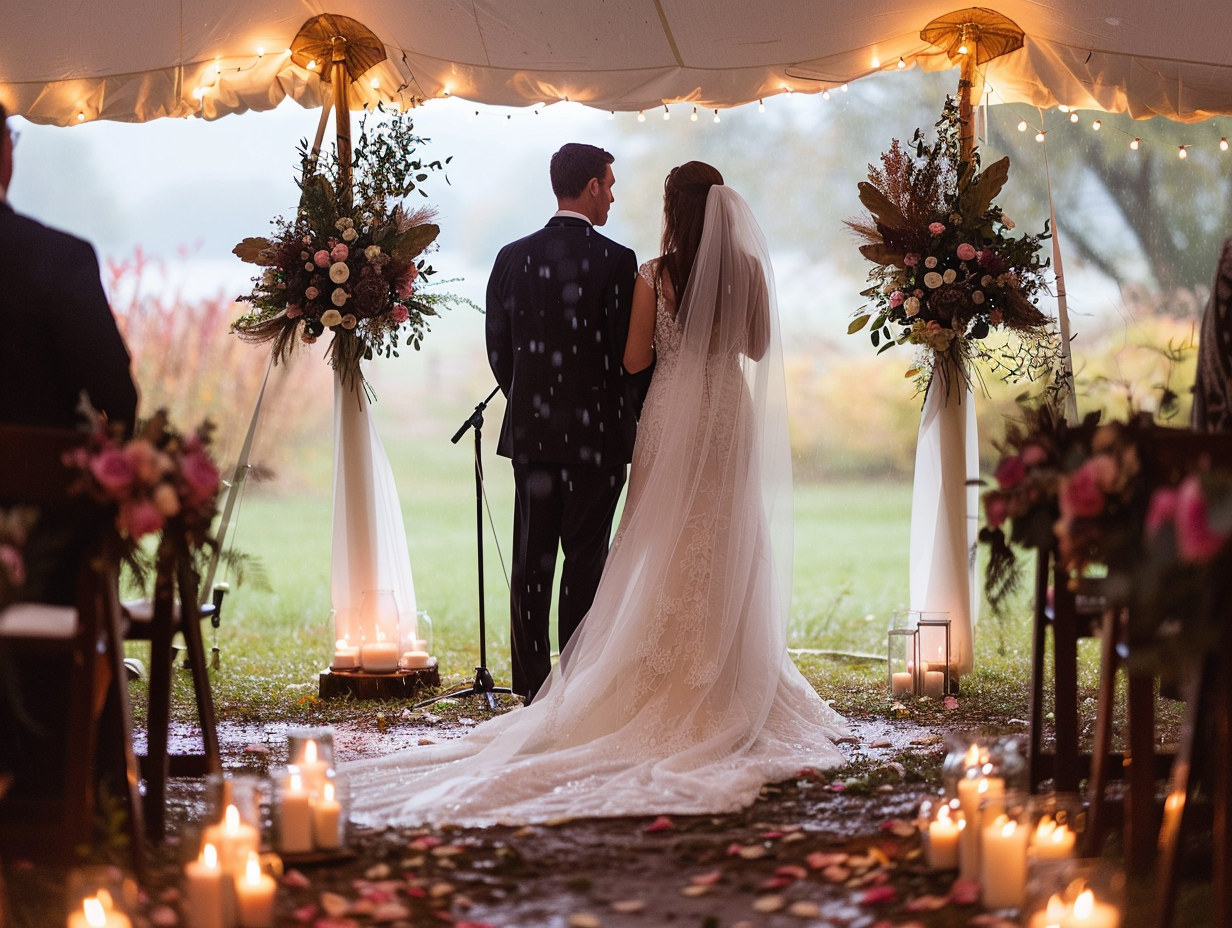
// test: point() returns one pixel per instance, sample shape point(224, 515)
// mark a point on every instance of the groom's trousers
point(569, 507)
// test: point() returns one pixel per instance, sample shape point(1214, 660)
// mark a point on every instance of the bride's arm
point(639, 346)
point(759, 315)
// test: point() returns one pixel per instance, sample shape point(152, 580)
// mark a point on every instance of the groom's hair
point(574, 166)
point(4, 116)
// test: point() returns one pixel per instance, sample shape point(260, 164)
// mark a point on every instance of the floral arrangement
point(947, 270)
point(349, 263)
point(15, 525)
point(159, 478)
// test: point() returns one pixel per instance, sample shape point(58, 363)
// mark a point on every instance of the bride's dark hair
point(684, 214)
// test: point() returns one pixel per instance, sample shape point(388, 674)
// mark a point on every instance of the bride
point(677, 694)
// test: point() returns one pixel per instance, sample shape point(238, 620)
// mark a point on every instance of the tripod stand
point(482, 685)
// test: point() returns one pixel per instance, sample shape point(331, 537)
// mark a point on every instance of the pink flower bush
point(199, 477)
point(1196, 541)
point(1080, 495)
point(966, 251)
point(321, 258)
point(138, 518)
point(113, 470)
point(340, 252)
point(936, 228)
point(1010, 472)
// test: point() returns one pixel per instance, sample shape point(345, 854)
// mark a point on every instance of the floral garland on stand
point(946, 269)
point(15, 525)
point(348, 264)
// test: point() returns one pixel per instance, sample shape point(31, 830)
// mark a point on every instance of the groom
point(557, 316)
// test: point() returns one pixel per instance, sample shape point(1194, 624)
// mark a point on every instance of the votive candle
point(254, 895)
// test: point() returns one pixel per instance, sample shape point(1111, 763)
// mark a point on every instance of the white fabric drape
point(945, 513)
point(370, 551)
point(677, 694)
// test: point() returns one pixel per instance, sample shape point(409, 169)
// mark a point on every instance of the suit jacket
point(1212, 402)
point(57, 334)
point(558, 307)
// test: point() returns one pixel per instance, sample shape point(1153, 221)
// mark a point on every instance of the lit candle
point(206, 900)
point(379, 656)
point(421, 644)
point(311, 768)
point(326, 814)
point(1052, 841)
point(934, 683)
point(971, 792)
point(233, 840)
point(415, 660)
point(1052, 914)
point(296, 819)
point(96, 912)
point(900, 683)
point(346, 656)
point(943, 835)
point(1003, 864)
point(254, 895)
point(1088, 912)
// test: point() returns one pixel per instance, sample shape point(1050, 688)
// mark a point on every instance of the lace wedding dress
point(677, 694)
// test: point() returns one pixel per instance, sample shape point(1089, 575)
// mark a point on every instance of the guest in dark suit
point(1212, 403)
point(557, 316)
point(57, 334)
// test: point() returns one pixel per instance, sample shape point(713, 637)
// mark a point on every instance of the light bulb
point(1181, 152)
point(1134, 144)
point(716, 116)
point(843, 88)
point(1073, 117)
point(693, 117)
point(312, 65)
point(445, 90)
point(1022, 126)
point(1223, 144)
point(825, 95)
point(1063, 108)
point(761, 106)
point(962, 49)
point(901, 64)
point(376, 83)
point(1039, 136)
point(876, 62)
point(198, 92)
point(1097, 125)
point(217, 66)
point(641, 115)
point(81, 117)
point(260, 51)
point(666, 114)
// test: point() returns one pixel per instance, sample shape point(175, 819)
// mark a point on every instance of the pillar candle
point(934, 684)
point(295, 819)
point(900, 683)
point(379, 657)
point(233, 840)
point(943, 835)
point(1003, 864)
point(326, 813)
point(93, 914)
point(1088, 912)
point(415, 660)
point(311, 769)
point(1052, 841)
point(346, 656)
point(254, 895)
point(971, 792)
point(205, 899)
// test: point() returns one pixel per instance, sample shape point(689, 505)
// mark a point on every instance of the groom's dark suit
point(558, 306)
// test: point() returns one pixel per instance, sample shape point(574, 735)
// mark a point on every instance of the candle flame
point(297, 783)
point(104, 899)
point(232, 820)
point(943, 814)
point(96, 915)
point(329, 792)
point(310, 752)
point(982, 786)
point(973, 755)
point(340, 644)
point(252, 875)
point(209, 856)
point(1055, 911)
point(1009, 828)
point(1084, 905)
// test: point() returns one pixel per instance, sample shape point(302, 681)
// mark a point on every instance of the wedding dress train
point(677, 694)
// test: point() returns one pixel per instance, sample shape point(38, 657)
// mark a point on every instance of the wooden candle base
point(355, 684)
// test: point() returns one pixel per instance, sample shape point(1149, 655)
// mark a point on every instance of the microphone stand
point(482, 685)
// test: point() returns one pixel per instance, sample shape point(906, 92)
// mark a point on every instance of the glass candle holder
point(304, 821)
point(330, 812)
point(902, 661)
point(247, 792)
point(1075, 893)
point(941, 825)
point(1058, 822)
point(416, 643)
point(1005, 832)
point(310, 753)
point(346, 640)
point(934, 650)
point(378, 628)
point(99, 895)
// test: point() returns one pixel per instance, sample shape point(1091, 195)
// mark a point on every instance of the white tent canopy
point(136, 60)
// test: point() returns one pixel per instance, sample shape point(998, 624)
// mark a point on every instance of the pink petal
point(965, 892)
point(733, 849)
point(879, 895)
point(706, 879)
point(306, 913)
point(950, 702)
point(662, 823)
point(927, 903)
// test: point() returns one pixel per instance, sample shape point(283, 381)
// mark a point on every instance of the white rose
point(949, 276)
point(309, 267)
point(912, 306)
point(340, 225)
point(977, 297)
point(349, 321)
point(339, 273)
point(986, 280)
point(339, 296)
point(331, 317)
point(372, 251)
point(932, 280)
point(312, 293)
point(930, 261)
point(350, 235)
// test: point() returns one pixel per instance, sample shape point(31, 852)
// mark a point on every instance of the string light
point(901, 64)
point(81, 117)
point(825, 95)
point(1223, 144)
point(217, 66)
point(666, 114)
point(1022, 126)
point(312, 65)
point(1039, 136)
point(761, 106)
point(693, 117)
point(199, 92)
point(1073, 117)
point(641, 115)
point(876, 62)
point(1096, 125)
point(376, 83)
point(1134, 144)
point(1063, 108)
point(1181, 152)
point(962, 49)
point(445, 90)
point(260, 51)
point(716, 116)
point(843, 88)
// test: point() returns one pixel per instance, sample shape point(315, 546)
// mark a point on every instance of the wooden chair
point(85, 638)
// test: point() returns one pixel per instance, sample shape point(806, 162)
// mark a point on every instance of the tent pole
point(966, 104)
point(342, 120)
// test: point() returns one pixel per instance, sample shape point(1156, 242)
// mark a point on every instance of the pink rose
point(138, 518)
point(911, 260)
point(12, 564)
point(996, 509)
point(1080, 496)
point(1196, 542)
point(896, 298)
point(400, 314)
point(340, 252)
point(936, 228)
point(1010, 473)
point(144, 459)
point(113, 470)
point(294, 311)
point(986, 256)
point(1162, 509)
point(966, 252)
point(1104, 469)
point(199, 477)
point(404, 286)
point(1033, 455)
point(321, 258)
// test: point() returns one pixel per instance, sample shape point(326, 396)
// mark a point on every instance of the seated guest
point(1212, 402)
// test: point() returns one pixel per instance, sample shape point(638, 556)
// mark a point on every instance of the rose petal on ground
point(733, 849)
point(794, 836)
point(474, 925)
point(767, 904)
point(836, 787)
point(950, 702)
point(753, 852)
point(879, 895)
point(295, 880)
point(804, 909)
point(390, 912)
point(426, 741)
point(164, 916)
point(584, 920)
point(882, 743)
point(926, 903)
point(693, 891)
point(558, 821)
point(362, 907)
point(628, 906)
point(662, 823)
point(965, 892)
point(335, 906)
point(440, 890)
point(417, 892)
point(836, 874)
point(448, 850)
point(377, 872)
point(256, 749)
point(928, 739)
point(425, 843)
point(819, 860)
point(795, 871)
point(898, 827)
point(336, 923)
point(776, 882)
point(772, 835)
point(706, 879)
point(306, 913)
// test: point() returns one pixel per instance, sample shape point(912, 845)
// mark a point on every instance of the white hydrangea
point(339, 273)
point(339, 296)
point(949, 276)
point(932, 280)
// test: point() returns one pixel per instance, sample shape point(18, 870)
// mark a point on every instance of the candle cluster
point(388, 641)
point(1084, 911)
point(98, 911)
point(919, 654)
point(307, 807)
point(224, 887)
